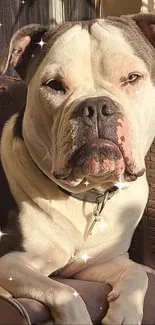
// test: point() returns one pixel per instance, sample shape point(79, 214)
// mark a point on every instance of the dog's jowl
point(88, 123)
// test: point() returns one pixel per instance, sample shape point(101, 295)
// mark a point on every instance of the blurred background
point(17, 13)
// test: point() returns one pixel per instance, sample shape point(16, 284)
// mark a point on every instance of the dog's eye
point(56, 85)
point(133, 77)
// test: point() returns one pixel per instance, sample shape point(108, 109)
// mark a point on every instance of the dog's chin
point(97, 162)
point(99, 157)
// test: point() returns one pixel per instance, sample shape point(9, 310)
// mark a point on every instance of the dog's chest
point(54, 242)
point(51, 237)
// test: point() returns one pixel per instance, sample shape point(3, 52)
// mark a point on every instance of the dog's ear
point(22, 47)
point(146, 22)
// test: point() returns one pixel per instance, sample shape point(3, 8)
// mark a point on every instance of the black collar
point(93, 195)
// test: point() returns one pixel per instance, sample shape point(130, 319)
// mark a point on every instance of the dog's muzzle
point(99, 151)
point(101, 142)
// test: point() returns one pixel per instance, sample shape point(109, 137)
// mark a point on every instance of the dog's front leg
point(23, 281)
point(129, 284)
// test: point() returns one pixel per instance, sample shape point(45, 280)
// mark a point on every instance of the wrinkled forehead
point(83, 51)
point(100, 40)
point(100, 36)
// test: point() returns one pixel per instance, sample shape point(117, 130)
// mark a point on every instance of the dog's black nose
point(95, 108)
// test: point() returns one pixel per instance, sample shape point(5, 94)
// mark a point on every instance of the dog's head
point(90, 111)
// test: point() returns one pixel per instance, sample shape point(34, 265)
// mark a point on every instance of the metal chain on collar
point(100, 204)
point(97, 216)
point(98, 210)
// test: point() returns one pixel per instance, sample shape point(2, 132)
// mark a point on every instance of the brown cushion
point(94, 295)
point(12, 312)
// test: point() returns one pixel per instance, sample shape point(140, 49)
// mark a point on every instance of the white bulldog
point(87, 126)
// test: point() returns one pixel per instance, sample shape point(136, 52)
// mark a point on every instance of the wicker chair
point(150, 209)
point(142, 248)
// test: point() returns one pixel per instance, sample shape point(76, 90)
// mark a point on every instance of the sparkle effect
point(102, 226)
point(0, 24)
point(121, 185)
point(10, 279)
point(75, 294)
point(1, 234)
point(41, 43)
point(86, 182)
point(85, 257)
point(23, 2)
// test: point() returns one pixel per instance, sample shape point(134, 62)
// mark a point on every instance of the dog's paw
point(5, 293)
point(112, 295)
point(123, 311)
point(70, 310)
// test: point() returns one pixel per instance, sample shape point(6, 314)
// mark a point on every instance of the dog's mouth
point(98, 157)
point(100, 160)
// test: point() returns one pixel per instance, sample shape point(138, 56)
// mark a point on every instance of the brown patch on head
point(50, 37)
point(24, 40)
point(139, 31)
point(146, 23)
point(25, 53)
